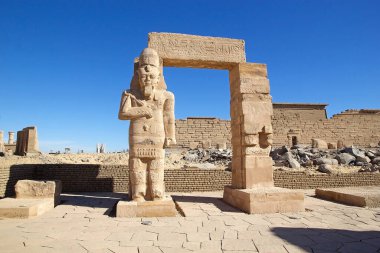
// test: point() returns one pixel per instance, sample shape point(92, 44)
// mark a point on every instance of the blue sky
point(64, 64)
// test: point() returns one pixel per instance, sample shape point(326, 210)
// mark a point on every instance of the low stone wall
point(9, 175)
point(114, 178)
point(301, 180)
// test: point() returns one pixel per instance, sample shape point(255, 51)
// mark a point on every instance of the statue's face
point(149, 76)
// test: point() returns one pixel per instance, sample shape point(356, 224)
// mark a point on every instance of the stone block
point(193, 145)
point(182, 50)
point(258, 171)
point(155, 208)
point(24, 208)
point(264, 200)
point(319, 143)
point(355, 196)
point(33, 189)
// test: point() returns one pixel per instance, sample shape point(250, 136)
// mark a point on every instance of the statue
point(150, 108)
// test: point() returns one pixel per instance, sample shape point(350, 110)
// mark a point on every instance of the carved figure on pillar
point(150, 108)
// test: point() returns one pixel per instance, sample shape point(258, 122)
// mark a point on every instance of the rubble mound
point(348, 159)
point(297, 158)
point(198, 158)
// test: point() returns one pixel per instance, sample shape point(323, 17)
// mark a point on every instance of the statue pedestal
point(156, 208)
point(264, 199)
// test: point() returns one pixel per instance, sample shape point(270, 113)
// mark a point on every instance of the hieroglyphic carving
point(191, 47)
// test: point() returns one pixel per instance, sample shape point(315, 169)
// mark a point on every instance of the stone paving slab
point(211, 226)
point(356, 196)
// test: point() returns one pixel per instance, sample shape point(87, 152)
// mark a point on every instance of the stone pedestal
point(156, 208)
point(264, 200)
point(24, 208)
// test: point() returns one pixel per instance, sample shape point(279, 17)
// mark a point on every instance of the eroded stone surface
point(38, 189)
point(183, 50)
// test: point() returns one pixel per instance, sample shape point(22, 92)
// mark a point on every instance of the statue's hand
point(169, 142)
point(149, 113)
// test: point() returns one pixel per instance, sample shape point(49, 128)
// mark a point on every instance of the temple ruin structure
point(251, 112)
point(293, 123)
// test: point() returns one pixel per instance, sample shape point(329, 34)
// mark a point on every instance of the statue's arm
point(128, 111)
point(169, 119)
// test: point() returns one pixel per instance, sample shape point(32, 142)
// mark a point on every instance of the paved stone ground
point(84, 223)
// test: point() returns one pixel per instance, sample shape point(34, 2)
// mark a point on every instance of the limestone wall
point(108, 178)
point(352, 127)
point(202, 129)
point(358, 127)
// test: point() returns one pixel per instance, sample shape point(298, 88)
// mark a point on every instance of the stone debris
point(327, 160)
point(207, 158)
point(284, 158)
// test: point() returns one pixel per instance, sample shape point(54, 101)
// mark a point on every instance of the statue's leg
point(156, 174)
point(137, 174)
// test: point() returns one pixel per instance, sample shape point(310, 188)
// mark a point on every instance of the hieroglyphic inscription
point(147, 152)
point(191, 47)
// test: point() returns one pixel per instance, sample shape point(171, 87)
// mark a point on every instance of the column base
point(264, 200)
point(156, 208)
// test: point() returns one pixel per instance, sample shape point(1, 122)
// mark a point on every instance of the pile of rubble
point(207, 158)
point(326, 160)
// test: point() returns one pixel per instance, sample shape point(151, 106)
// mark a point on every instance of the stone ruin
point(27, 142)
point(147, 104)
point(293, 123)
point(100, 148)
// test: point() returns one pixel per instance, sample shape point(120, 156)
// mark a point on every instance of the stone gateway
point(151, 110)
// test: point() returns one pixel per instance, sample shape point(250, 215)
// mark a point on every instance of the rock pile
point(326, 159)
point(216, 157)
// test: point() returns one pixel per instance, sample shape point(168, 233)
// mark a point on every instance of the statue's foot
point(138, 199)
point(158, 196)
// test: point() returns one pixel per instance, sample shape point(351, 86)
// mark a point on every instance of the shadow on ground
point(106, 200)
point(217, 202)
point(330, 240)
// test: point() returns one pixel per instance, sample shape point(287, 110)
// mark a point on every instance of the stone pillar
point(11, 137)
point(252, 189)
point(31, 139)
point(20, 144)
point(251, 114)
point(27, 141)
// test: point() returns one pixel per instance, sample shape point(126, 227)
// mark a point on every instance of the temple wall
point(202, 129)
point(358, 127)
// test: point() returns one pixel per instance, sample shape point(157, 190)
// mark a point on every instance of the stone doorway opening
point(192, 99)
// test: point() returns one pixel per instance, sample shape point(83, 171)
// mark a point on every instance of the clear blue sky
point(64, 64)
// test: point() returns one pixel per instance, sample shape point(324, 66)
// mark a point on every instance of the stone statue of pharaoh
point(150, 108)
